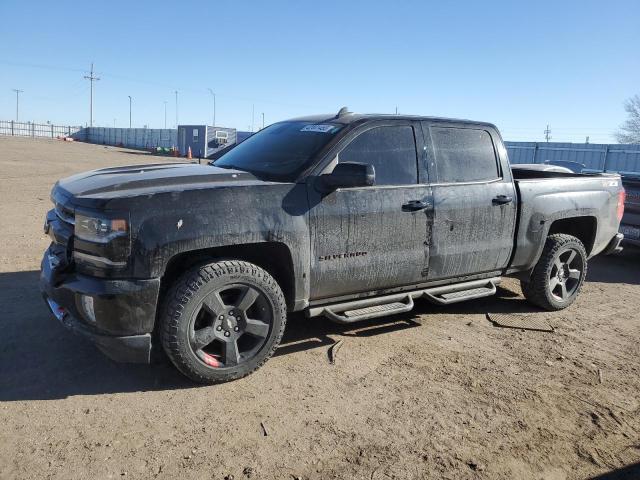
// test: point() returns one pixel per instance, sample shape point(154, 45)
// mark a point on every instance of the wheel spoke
point(247, 298)
point(257, 328)
point(571, 257)
point(558, 265)
point(214, 304)
point(574, 273)
point(203, 337)
point(231, 353)
point(553, 283)
point(563, 291)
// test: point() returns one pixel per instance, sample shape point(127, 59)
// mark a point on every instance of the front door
point(373, 238)
point(474, 201)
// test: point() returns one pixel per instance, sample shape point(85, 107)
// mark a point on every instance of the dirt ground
point(436, 393)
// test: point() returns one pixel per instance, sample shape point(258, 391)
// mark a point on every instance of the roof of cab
point(350, 118)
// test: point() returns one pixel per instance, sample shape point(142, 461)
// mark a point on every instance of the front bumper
point(124, 310)
point(614, 245)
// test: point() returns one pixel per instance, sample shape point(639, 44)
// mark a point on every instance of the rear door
point(474, 200)
point(365, 238)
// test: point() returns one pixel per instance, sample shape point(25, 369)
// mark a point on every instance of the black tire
point(554, 284)
point(230, 304)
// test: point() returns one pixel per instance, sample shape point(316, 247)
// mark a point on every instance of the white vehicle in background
point(541, 167)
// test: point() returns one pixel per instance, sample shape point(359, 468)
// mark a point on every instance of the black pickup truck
point(348, 216)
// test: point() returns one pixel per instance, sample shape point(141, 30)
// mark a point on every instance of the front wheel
point(222, 321)
point(558, 276)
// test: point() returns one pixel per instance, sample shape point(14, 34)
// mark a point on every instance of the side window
point(464, 155)
point(391, 151)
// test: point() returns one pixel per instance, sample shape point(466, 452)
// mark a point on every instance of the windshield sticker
point(318, 128)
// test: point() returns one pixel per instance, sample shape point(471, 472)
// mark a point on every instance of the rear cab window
point(390, 149)
point(464, 154)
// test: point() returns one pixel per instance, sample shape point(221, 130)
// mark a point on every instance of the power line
point(18, 92)
point(161, 85)
point(92, 78)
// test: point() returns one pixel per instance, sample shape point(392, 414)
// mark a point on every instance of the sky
point(521, 65)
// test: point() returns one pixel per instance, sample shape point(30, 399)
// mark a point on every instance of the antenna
point(342, 112)
point(92, 78)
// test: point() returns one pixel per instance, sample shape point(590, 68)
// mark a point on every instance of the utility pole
point(176, 92)
point(129, 110)
point(18, 92)
point(214, 105)
point(262, 119)
point(92, 78)
point(165, 114)
point(253, 111)
point(396, 110)
point(547, 134)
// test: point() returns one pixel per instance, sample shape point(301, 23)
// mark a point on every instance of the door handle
point(502, 200)
point(415, 205)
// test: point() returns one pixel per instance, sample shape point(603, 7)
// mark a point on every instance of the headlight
point(99, 229)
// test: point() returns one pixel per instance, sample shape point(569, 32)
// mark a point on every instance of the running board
point(368, 308)
point(367, 313)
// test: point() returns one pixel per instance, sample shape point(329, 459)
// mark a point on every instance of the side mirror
point(349, 174)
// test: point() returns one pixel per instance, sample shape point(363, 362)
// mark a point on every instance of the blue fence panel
point(621, 158)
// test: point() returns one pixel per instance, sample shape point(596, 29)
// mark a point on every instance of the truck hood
point(135, 180)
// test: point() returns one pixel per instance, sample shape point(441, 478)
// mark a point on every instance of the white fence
point(128, 137)
point(28, 129)
point(133, 137)
point(594, 156)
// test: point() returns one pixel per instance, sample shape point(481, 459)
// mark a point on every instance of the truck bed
point(547, 197)
point(527, 174)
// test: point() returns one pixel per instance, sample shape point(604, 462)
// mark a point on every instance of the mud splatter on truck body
point(366, 208)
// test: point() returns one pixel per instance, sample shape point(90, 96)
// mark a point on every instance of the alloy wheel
point(565, 275)
point(230, 326)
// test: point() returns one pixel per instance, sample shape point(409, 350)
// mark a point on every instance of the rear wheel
point(222, 321)
point(558, 276)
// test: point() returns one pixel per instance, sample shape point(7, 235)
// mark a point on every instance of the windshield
point(280, 151)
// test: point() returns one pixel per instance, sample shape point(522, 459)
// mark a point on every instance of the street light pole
point(129, 111)
point(253, 109)
point(176, 92)
point(213, 94)
point(92, 78)
point(165, 114)
point(18, 92)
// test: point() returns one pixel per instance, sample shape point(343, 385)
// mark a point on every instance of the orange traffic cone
point(189, 156)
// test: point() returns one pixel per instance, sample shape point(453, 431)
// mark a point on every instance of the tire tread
point(535, 290)
point(181, 293)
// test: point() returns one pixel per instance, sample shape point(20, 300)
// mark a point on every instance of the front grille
point(65, 214)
